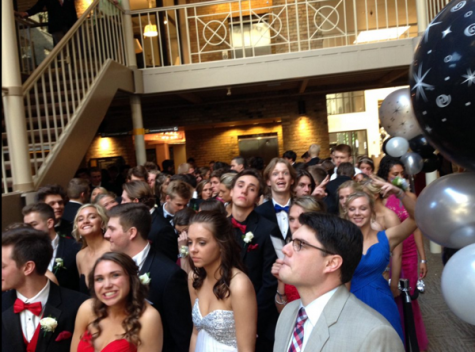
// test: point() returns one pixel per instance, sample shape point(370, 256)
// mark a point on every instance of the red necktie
point(19, 306)
point(239, 226)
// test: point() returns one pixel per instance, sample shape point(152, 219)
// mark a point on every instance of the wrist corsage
point(400, 183)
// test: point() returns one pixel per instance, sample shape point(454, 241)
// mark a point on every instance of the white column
point(13, 104)
point(139, 132)
point(129, 35)
point(422, 16)
point(431, 177)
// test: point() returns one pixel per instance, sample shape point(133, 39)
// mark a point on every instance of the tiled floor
point(445, 331)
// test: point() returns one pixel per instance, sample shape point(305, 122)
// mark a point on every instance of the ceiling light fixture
point(150, 29)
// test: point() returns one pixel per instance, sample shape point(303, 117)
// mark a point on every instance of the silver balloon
point(458, 284)
point(445, 210)
point(413, 163)
point(397, 146)
point(397, 116)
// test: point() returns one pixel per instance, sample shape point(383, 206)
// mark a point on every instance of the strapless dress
point(122, 345)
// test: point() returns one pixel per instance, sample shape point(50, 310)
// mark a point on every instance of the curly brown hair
point(223, 233)
point(135, 305)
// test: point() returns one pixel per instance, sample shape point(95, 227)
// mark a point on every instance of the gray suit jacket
point(346, 324)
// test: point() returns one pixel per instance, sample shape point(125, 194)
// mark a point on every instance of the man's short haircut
point(139, 171)
point(49, 190)
point(94, 169)
point(344, 148)
point(290, 154)
point(43, 209)
point(182, 217)
point(314, 150)
point(80, 171)
point(166, 164)
point(140, 190)
point(187, 178)
point(217, 173)
point(150, 165)
point(257, 162)
point(77, 186)
point(328, 166)
point(273, 163)
point(254, 173)
point(338, 236)
point(240, 161)
point(179, 189)
point(305, 155)
point(227, 179)
point(29, 245)
point(133, 215)
point(318, 173)
point(104, 195)
point(221, 165)
point(345, 169)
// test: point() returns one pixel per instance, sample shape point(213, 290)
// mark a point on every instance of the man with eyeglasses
point(320, 261)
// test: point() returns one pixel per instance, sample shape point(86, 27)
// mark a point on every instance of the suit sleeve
point(177, 309)
point(38, 7)
point(382, 339)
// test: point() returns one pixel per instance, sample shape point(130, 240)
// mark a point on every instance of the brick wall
point(110, 147)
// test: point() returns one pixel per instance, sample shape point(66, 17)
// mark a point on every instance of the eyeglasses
point(298, 244)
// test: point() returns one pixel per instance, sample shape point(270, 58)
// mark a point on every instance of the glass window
point(345, 103)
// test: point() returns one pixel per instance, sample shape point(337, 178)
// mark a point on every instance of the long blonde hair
point(355, 186)
point(102, 214)
point(356, 195)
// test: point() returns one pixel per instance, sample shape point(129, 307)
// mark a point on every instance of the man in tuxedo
point(178, 196)
point(342, 154)
point(162, 236)
point(61, 16)
point(238, 164)
point(214, 179)
point(258, 254)
point(319, 261)
point(55, 197)
point(127, 231)
point(78, 194)
point(280, 177)
point(40, 216)
point(30, 297)
point(313, 151)
point(345, 172)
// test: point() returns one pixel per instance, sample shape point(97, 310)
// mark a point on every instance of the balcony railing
point(226, 30)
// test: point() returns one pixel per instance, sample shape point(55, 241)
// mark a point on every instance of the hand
point(182, 239)
point(395, 289)
point(386, 188)
point(422, 270)
point(319, 191)
point(276, 268)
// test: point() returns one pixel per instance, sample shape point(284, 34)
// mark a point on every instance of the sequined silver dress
point(216, 331)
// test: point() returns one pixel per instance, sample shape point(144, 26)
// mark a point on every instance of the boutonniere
point(247, 238)
point(252, 247)
point(64, 335)
point(59, 264)
point(145, 278)
point(48, 325)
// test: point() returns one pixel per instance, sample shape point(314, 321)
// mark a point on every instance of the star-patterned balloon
point(397, 117)
point(442, 80)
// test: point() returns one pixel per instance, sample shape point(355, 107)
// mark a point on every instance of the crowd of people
point(229, 257)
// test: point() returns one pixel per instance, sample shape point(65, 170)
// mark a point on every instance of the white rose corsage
point(184, 251)
point(247, 238)
point(145, 278)
point(59, 264)
point(48, 325)
point(400, 183)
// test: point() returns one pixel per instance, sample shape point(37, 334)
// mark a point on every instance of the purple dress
point(409, 271)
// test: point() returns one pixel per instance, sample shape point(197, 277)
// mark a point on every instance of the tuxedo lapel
point(51, 310)
point(319, 336)
point(11, 324)
point(148, 263)
point(60, 250)
point(251, 226)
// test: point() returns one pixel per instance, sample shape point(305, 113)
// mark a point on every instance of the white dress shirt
point(314, 309)
point(166, 213)
point(29, 321)
point(282, 219)
point(140, 257)
point(55, 245)
point(357, 171)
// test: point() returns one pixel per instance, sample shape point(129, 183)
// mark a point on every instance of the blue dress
point(369, 285)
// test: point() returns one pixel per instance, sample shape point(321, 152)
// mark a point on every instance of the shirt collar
point(152, 210)
point(165, 212)
point(282, 205)
point(55, 242)
point(41, 296)
point(315, 308)
point(140, 257)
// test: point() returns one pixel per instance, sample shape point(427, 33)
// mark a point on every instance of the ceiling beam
point(393, 75)
point(303, 86)
point(191, 97)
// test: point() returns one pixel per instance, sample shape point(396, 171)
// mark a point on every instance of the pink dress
point(409, 271)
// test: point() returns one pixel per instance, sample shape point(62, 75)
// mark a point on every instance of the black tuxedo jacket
point(64, 229)
point(331, 200)
point(59, 16)
point(68, 275)
point(70, 211)
point(169, 295)
point(267, 211)
point(258, 262)
point(162, 235)
point(313, 161)
point(62, 304)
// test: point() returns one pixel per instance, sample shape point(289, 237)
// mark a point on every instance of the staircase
point(68, 94)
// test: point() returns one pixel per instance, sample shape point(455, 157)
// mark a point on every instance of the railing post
point(422, 14)
point(139, 132)
point(14, 109)
point(129, 35)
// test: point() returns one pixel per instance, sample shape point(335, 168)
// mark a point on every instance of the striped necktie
point(297, 338)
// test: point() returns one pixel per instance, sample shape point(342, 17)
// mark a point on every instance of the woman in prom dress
point(223, 297)
point(117, 318)
point(368, 284)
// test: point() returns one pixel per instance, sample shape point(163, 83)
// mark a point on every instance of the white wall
point(367, 120)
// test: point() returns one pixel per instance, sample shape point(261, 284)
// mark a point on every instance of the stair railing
point(57, 88)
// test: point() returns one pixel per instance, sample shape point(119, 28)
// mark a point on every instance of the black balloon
point(421, 145)
point(430, 164)
point(442, 79)
point(384, 146)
